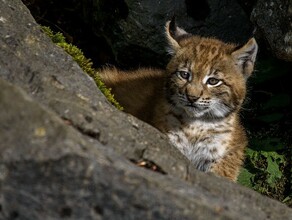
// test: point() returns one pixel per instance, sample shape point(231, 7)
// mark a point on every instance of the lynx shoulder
point(195, 100)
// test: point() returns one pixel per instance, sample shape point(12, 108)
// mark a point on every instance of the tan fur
point(200, 119)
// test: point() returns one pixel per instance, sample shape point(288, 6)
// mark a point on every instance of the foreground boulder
point(65, 152)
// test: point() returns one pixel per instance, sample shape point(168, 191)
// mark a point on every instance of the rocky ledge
point(65, 152)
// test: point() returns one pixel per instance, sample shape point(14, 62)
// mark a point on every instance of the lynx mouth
point(197, 107)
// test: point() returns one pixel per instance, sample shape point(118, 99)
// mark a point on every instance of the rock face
point(65, 152)
point(136, 33)
point(274, 21)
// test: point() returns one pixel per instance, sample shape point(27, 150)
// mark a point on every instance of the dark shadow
point(198, 10)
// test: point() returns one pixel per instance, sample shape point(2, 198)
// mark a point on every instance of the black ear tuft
point(172, 26)
point(174, 35)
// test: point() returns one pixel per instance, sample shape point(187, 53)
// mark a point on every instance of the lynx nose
point(192, 99)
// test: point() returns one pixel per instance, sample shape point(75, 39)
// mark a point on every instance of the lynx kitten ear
point(174, 34)
point(245, 56)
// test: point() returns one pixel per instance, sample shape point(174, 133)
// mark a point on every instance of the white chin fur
point(220, 110)
point(193, 113)
point(217, 110)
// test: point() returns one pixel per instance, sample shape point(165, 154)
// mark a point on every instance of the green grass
point(85, 63)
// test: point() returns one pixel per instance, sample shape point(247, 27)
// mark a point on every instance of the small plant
point(264, 171)
point(85, 63)
point(268, 159)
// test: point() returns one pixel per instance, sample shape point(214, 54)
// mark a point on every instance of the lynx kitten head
point(207, 77)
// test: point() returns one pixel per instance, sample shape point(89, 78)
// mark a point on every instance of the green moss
point(55, 37)
point(83, 62)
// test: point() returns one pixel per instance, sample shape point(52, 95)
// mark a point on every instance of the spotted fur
point(196, 100)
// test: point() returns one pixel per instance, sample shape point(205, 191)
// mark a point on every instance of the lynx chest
point(203, 143)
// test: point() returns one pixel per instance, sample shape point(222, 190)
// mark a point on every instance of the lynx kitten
point(196, 100)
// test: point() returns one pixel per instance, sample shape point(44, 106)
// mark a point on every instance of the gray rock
point(51, 77)
point(48, 170)
point(274, 21)
point(65, 151)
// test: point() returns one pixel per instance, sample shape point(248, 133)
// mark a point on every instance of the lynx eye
point(214, 82)
point(184, 74)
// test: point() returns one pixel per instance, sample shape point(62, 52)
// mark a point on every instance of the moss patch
point(83, 62)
